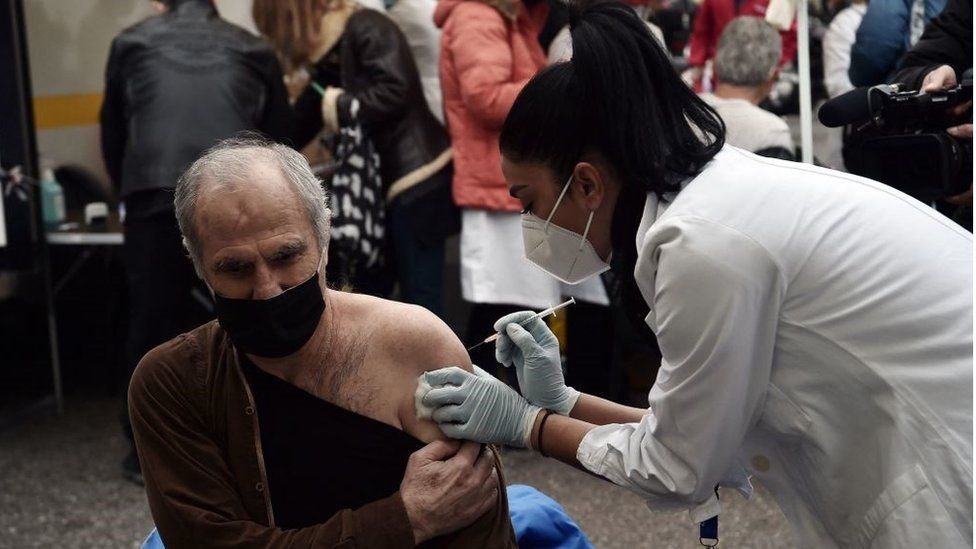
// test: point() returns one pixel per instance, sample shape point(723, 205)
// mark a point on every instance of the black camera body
point(903, 142)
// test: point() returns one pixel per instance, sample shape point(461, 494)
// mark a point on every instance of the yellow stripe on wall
point(59, 111)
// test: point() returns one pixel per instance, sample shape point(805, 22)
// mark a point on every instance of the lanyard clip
point(708, 529)
point(708, 532)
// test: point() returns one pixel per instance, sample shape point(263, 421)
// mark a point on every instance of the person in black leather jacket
point(175, 85)
point(355, 52)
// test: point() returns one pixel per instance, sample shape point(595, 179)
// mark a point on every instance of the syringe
point(540, 314)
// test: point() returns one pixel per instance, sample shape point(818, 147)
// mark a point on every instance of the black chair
point(81, 187)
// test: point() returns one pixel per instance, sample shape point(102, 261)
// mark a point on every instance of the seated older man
point(290, 421)
point(745, 70)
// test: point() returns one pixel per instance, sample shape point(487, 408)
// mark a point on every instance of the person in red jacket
point(489, 51)
point(710, 20)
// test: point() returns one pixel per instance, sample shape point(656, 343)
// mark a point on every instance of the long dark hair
point(619, 97)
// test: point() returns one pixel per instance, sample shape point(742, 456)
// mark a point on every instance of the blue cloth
point(153, 541)
point(883, 39)
point(541, 523)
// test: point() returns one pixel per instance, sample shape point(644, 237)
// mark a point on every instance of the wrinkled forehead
point(255, 204)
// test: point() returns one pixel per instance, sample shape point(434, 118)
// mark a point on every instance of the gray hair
point(232, 161)
point(748, 52)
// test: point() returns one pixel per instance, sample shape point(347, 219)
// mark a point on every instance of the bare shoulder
point(406, 341)
point(419, 340)
point(409, 337)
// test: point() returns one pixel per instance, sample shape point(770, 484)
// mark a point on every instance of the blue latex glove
point(534, 352)
point(479, 407)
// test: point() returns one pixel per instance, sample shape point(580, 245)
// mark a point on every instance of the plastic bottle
point(52, 199)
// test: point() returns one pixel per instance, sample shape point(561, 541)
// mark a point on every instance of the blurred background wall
point(68, 42)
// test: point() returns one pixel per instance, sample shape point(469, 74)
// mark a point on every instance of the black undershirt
point(321, 458)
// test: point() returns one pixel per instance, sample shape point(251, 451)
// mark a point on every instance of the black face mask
point(276, 327)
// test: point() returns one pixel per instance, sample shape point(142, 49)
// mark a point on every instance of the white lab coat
point(416, 19)
point(561, 47)
point(816, 333)
point(837, 43)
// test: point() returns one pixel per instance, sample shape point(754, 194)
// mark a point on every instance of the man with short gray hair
point(231, 162)
point(745, 70)
point(338, 456)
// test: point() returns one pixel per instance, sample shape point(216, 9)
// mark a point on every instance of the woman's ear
point(589, 186)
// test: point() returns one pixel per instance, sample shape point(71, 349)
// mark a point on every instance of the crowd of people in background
point(400, 105)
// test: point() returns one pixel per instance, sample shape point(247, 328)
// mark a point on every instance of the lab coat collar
point(645, 273)
point(654, 207)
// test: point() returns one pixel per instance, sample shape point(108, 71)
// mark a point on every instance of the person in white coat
point(561, 47)
point(416, 19)
point(837, 44)
point(815, 327)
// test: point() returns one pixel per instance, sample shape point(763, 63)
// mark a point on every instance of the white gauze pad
point(423, 387)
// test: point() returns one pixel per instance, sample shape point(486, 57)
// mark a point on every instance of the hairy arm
point(423, 342)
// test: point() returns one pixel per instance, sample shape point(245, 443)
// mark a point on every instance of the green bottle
point(52, 199)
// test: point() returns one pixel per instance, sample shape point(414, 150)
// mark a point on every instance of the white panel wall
point(68, 41)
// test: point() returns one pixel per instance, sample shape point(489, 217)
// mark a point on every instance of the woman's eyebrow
point(515, 190)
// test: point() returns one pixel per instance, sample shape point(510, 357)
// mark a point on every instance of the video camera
point(898, 137)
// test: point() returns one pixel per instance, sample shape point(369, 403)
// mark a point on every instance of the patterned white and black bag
point(357, 248)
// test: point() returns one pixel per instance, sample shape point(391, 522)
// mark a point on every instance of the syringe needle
point(476, 345)
point(540, 314)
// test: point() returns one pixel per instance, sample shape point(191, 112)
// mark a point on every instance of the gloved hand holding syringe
point(525, 343)
point(540, 314)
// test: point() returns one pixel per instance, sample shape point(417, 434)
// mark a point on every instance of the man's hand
point(964, 199)
point(939, 79)
point(944, 78)
point(447, 486)
point(963, 131)
point(296, 82)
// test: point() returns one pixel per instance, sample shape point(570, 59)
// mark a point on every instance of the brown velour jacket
point(199, 444)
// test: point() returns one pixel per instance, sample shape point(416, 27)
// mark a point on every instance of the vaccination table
point(93, 238)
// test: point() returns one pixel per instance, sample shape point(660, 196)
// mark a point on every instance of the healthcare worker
point(815, 327)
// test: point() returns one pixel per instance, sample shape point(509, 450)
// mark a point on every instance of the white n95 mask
point(566, 255)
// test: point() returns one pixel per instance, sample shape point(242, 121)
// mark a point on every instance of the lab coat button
point(249, 410)
point(259, 487)
point(760, 463)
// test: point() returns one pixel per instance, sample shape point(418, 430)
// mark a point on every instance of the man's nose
point(266, 283)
